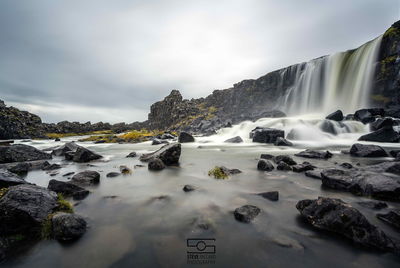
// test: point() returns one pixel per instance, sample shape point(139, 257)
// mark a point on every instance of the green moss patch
point(218, 173)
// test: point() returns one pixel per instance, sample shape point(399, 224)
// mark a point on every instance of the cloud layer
point(102, 60)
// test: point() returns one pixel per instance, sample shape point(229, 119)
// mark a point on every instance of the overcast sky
point(109, 60)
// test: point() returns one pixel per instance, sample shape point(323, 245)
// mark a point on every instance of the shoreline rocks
point(21, 153)
point(315, 154)
point(266, 135)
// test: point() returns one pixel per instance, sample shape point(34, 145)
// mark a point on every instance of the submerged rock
point(363, 150)
point(315, 154)
point(335, 116)
point(185, 137)
point(362, 183)
point(266, 135)
point(392, 218)
point(87, 177)
point(336, 216)
point(315, 174)
point(156, 164)
point(236, 139)
point(283, 166)
point(8, 179)
point(284, 158)
point(169, 154)
point(305, 166)
point(382, 135)
point(125, 170)
point(68, 189)
point(24, 208)
point(246, 213)
point(273, 196)
point(221, 172)
point(282, 142)
point(21, 153)
point(264, 165)
point(68, 227)
point(188, 188)
point(158, 142)
point(132, 154)
point(48, 166)
point(83, 155)
point(389, 167)
point(113, 174)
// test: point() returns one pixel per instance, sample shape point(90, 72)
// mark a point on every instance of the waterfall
point(339, 81)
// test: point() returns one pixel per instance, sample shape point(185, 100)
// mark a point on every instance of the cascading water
point(321, 86)
point(340, 81)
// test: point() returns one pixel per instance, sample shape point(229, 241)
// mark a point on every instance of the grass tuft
point(218, 173)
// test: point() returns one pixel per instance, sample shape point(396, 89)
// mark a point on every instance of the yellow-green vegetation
point(384, 65)
point(391, 32)
point(3, 191)
point(63, 205)
point(63, 135)
point(133, 136)
point(218, 173)
point(206, 113)
point(380, 98)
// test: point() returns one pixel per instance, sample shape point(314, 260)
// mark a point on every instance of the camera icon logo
point(201, 246)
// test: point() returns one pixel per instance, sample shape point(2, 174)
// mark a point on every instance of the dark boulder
point(188, 188)
point(169, 154)
point(368, 115)
point(382, 135)
point(315, 174)
point(67, 147)
point(68, 227)
point(21, 153)
point(68, 189)
point(69, 156)
point(362, 183)
point(132, 154)
point(273, 196)
point(83, 155)
point(264, 165)
point(381, 123)
point(335, 116)
point(305, 166)
point(24, 208)
point(113, 174)
point(8, 179)
point(373, 204)
point(87, 177)
point(336, 216)
point(246, 213)
point(283, 166)
point(236, 139)
point(394, 153)
point(362, 150)
point(267, 156)
point(282, 142)
point(48, 166)
point(284, 158)
point(392, 218)
point(346, 165)
point(266, 135)
point(156, 164)
point(20, 168)
point(315, 154)
point(185, 137)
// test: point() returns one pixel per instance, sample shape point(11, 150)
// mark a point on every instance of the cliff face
point(387, 78)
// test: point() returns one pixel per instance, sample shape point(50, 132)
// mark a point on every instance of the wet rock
point(68, 189)
point(392, 218)
point(158, 142)
point(315, 174)
point(67, 147)
point(68, 227)
point(87, 177)
point(68, 174)
point(185, 137)
point(373, 204)
point(113, 174)
point(83, 155)
point(236, 139)
point(132, 154)
point(284, 158)
point(336, 216)
point(167, 136)
point(156, 164)
point(382, 123)
point(335, 116)
point(389, 167)
point(21, 153)
point(188, 188)
point(368, 115)
point(267, 156)
point(125, 170)
point(382, 135)
point(57, 139)
point(169, 154)
point(346, 165)
point(305, 166)
point(273, 196)
point(48, 166)
point(246, 213)
point(69, 156)
point(282, 142)
point(287, 242)
point(371, 184)
point(266, 135)
point(315, 154)
point(24, 208)
point(362, 150)
point(20, 168)
point(264, 165)
point(8, 179)
point(283, 166)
